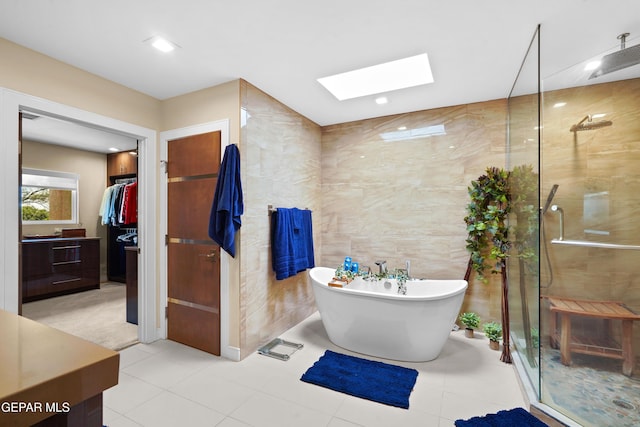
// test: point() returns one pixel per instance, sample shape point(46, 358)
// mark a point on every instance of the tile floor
point(167, 384)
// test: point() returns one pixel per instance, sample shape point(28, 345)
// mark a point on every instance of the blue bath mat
point(513, 417)
point(368, 379)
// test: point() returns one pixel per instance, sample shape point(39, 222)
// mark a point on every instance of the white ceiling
point(282, 46)
point(56, 131)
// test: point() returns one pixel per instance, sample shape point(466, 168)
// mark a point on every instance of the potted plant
point(493, 331)
point(470, 321)
point(488, 235)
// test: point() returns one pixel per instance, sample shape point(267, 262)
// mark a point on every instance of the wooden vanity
point(50, 378)
point(59, 266)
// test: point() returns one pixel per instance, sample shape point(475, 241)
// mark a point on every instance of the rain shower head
point(625, 57)
point(587, 123)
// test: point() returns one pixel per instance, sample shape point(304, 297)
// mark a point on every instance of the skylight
point(400, 74)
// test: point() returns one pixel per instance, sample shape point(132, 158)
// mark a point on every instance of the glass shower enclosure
point(574, 288)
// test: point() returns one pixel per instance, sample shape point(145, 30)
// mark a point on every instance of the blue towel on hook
point(227, 206)
point(291, 242)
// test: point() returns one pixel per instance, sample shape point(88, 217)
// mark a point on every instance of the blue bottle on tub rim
point(354, 267)
point(347, 263)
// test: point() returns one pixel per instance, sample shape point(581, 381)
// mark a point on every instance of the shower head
point(552, 194)
point(625, 57)
point(588, 124)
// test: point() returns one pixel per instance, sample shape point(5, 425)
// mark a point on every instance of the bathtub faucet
point(383, 266)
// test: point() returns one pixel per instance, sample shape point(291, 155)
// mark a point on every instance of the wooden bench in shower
point(562, 309)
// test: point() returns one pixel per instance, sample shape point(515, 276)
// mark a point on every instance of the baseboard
point(231, 353)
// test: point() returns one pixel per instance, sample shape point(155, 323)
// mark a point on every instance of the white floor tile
point(211, 390)
point(372, 414)
point(129, 393)
point(166, 383)
point(338, 422)
point(230, 422)
point(170, 410)
point(118, 420)
point(267, 411)
point(132, 355)
point(162, 369)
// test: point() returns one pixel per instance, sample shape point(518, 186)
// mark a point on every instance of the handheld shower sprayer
point(558, 209)
point(552, 194)
point(543, 210)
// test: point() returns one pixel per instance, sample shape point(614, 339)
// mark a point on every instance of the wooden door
point(193, 303)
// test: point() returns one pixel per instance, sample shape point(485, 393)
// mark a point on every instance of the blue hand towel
point(227, 206)
point(291, 242)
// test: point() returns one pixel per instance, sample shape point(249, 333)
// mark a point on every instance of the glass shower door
point(523, 153)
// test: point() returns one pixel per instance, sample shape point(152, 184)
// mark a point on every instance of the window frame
point(58, 181)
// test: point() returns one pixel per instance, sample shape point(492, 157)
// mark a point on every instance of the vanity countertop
point(43, 238)
point(40, 364)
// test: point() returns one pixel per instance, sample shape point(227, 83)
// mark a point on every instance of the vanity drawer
point(56, 266)
point(69, 253)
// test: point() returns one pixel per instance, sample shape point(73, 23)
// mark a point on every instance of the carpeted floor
point(97, 315)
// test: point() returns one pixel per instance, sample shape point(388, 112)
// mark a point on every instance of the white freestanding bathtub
point(370, 317)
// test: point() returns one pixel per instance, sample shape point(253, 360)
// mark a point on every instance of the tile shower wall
point(391, 192)
point(280, 155)
point(599, 190)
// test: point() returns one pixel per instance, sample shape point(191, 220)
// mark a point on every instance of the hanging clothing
point(227, 205)
point(119, 204)
point(291, 242)
point(130, 204)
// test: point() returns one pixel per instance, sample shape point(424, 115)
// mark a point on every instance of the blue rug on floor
point(368, 379)
point(511, 418)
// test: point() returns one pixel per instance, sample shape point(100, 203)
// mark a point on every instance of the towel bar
point(271, 209)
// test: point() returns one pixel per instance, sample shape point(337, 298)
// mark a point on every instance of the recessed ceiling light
point(559, 104)
point(381, 100)
point(162, 44)
point(114, 149)
point(400, 74)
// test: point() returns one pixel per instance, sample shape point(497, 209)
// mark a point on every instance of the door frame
point(222, 126)
point(11, 103)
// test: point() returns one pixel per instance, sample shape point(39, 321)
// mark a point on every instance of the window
point(49, 196)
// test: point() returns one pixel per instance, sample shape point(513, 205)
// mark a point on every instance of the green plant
point(524, 206)
point(535, 337)
point(343, 274)
point(470, 320)
point(486, 221)
point(492, 330)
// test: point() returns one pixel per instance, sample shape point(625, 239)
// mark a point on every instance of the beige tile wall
point(280, 161)
point(600, 166)
point(406, 199)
